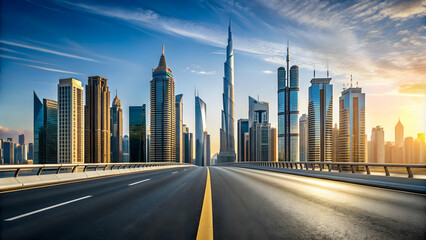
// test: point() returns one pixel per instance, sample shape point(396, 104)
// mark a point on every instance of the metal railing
point(85, 166)
point(351, 166)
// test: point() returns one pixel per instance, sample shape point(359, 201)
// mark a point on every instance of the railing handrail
point(30, 166)
point(352, 165)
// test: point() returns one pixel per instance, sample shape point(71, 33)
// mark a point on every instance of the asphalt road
point(246, 204)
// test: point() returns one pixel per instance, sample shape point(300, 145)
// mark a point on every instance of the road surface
point(246, 204)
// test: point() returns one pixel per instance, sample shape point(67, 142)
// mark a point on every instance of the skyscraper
point(351, 143)
point(70, 121)
point(303, 140)
point(8, 152)
point(208, 154)
point(335, 136)
point(45, 149)
point(97, 121)
point(288, 112)
point(21, 139)
point(179, 124)
point(200, 132)
point(320, 120)
point(163, 114)
point(243, 128)
point(137, 133)
point(399, 134)
point(260, 131)
point(377, 145)
point(227, 141)
point(126, 157)
point(273, 144)
point(409, 150)
point(188, 144)
point(116, 130)
point(30, 151)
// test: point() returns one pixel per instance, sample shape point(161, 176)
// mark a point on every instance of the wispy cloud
point(268, 72)
point(197, 70)
point(50, 69)
point(27, 46)
point(22, 59)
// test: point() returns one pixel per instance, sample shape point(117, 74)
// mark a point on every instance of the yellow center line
point(205, 228)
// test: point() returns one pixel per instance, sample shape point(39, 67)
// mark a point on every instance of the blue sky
point(382, 43)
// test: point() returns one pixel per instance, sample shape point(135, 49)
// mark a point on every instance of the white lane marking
point(131, 184)
point(174, 172)
point(46, 208)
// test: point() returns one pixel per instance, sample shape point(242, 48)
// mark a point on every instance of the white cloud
point(47, 50)
point(51, 69)
point(268, 72)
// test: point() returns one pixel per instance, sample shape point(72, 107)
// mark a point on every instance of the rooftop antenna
point(116, 92)
point(288, 63)
point(351, 80)
point(163, 49)
point(314, 70)
point(327, 71)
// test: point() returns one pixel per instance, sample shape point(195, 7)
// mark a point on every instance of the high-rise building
point(243, 128)
point(137, 133)
point(20, 154)
point(409, 150)
point(208, 154)
point(227, 140)
point(377, 145)
point(260, 131)
point(399, 134)
point(97, 121)
point(335, 137)
point(179, 124)
point(389, 152)
point(320, 120)
point(273, 144)
point(31, 151)
point(419, 155)
point(8, 152)
point(116, 124)
point(288, 112)
point(70, 121)
point(351, 143)
point(187, 145)
point(22, 139)
point(45, 149)
point(163, 114)
point(126, 156)
point(303, 138)
point(200, 132)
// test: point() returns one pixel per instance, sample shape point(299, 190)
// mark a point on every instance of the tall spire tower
point(227, 141)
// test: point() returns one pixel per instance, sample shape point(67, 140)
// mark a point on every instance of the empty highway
point(245, 204)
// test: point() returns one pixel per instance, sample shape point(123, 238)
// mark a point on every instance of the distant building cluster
point(82, 126)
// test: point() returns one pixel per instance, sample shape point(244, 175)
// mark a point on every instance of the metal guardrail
point(337, 165)
point(85, 166)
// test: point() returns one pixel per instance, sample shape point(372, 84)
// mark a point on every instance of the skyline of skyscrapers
point(288, 112)
point(243, 128)
point(163, 114)
point(320, 120)
point(116, 114)
point(97, 121)
point(259, 131)
point(227, 139)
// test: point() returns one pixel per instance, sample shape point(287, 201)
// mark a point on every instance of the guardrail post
point(352, 168)
point(39, 171)
point(58, 170)
point(367, 168)
point(17, 172)
point(105, 167)
point(410, 173)
point(329, 167)
point(85, 168)
point(320, 166)
point(387, 171)
point(306, 166)
point(340, 167)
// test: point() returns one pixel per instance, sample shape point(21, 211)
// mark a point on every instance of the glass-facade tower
point(163, 114)
point(116, 131)
point(137, 133)
point(320, 120)
point(227, 140)
point(45, 131)
point(288, 112)
point(200, 132)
